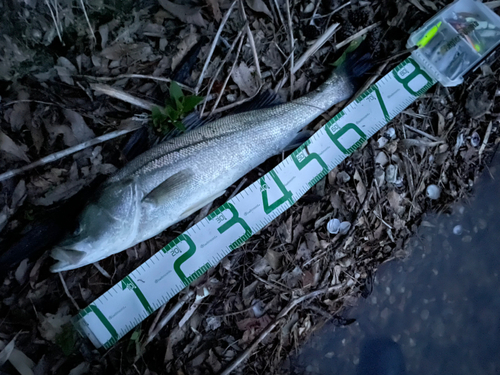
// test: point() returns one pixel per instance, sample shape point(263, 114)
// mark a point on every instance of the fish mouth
point(68, 259)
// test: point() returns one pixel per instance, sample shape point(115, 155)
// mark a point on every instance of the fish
point(176, 178)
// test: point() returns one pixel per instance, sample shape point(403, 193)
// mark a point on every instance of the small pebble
point(458, 230)
point(433, 192)
point(333, 226)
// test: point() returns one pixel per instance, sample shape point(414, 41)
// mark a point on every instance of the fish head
point(107, 225)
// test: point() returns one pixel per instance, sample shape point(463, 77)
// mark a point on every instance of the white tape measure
point(451, 43)
point(191, 254)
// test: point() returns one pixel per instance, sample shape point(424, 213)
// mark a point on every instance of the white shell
point(433, 191)
point(344, 227)
point(381, 159)
point(458, 230)
point(475, 139)
point(390, 134)
point(391, 173)
point(333, 226)
point(382, 141)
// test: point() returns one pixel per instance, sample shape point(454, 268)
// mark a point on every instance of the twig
point(422, 133)
point(140, 76)
point(292, 46)
point(315, 47)
point(279, 12)
point(156, 319)
point(251, 41)
point(232, 105)
point(485, 140)
point(102, 270)
point(67, 291)
point(314, 16)
point(356, 36)
point(227, 77)
point(60, 154)
point(164, 321)
point(88, 21)
point(55, 21)
point(382, 220)
point(212, 48)
point(245, 354)
point(212, 81)
point(238, 188)
point(122, 95)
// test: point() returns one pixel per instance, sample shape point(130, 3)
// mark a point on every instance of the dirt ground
point(74, 71)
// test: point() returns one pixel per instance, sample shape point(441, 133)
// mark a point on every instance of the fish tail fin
point(357, 63)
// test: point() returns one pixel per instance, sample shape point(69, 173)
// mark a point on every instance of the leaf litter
point(306, 267)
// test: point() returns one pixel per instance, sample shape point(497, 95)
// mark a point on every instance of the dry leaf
point(312, 241)
point(394, 200)
point(360, 187)
point(245, 80)
point(184, 47)
point(185, 13)
point(18, 195)
point(80, 129)
point(10, 147)
point(21, 113)
point(22, 271)
point(135, 51)
point(259, 6)
point(274, 258)
point(214, 6)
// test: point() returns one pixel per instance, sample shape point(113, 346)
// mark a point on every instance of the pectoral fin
point(162, 192)
point(201, 204)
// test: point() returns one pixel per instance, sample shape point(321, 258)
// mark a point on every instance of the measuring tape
point(203, 246)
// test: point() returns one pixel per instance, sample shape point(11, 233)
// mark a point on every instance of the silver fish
point(178, 177)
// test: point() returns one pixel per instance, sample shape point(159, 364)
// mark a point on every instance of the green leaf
point(191, 101)
point(172, 113)
point(135, 336)
point(67, 339)
point(175, 92)
point(179, 125)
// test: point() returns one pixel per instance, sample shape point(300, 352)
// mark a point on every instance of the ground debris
point(322, 252)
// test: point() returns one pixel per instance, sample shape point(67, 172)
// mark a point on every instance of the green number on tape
point(104, 321)
point(408, 77)
point(235, 219)
point(335, 137)
point(301, 161)
point(368, 92)
point(128, 283)
point(287, 194)
point(184, 257)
